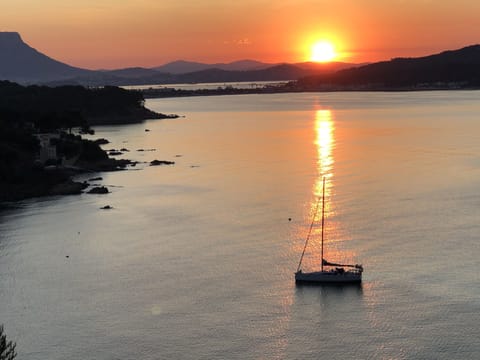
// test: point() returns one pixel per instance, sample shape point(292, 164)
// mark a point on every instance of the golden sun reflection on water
point(324, 132)
point(324, 142)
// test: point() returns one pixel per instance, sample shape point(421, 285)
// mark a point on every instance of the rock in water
point(161, 162)
point(101, 141)
point(98, 190)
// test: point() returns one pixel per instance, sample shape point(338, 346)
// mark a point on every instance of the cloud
point(243, 42)
point(238, 42)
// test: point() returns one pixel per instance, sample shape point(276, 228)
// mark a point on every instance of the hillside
point(71, 106)
point(31, 113)
point(449, 69)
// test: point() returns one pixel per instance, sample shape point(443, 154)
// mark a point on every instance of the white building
point(47, 150)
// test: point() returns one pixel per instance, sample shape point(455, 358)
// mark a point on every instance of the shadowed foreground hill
point(71, 106)
point(27, 112)
point(449, 69)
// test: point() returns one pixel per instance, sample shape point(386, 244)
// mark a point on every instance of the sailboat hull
point(328, 277)
point(338, 275)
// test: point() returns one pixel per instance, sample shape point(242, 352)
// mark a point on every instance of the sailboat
point(330, 273)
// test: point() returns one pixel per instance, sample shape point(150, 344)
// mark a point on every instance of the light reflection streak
point(324, 129)
point(334, 234)
point(324, 142)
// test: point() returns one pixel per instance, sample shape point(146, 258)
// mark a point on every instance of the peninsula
point(449, 70)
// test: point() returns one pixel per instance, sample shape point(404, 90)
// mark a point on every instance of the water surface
point(196, 260)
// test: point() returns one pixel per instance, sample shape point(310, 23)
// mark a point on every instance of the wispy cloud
point(243, 42)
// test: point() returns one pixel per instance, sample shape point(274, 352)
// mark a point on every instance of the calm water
point(196, 260)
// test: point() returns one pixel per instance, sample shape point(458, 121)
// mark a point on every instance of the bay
point(196, 260)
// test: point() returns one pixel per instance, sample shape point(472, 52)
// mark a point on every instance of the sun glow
point(323, 51)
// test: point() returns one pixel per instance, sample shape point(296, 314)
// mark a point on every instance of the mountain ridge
point(185, 66)
point(23, 64)
point(453, 68)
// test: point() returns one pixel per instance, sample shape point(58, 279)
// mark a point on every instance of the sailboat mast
point(308, 236)
point(323, 218)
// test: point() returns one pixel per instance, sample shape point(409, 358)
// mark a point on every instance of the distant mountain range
point(182, 66)
point(455, 68)
point(23, 64)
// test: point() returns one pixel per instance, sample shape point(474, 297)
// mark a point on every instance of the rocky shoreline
point(132, 116)
point(57, 179)
point(52, 180)
point(39, 152)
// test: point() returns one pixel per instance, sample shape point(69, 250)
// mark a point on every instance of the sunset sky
point(122, 33)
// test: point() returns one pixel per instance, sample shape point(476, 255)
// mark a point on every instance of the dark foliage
point(17, 149)
point(26, 111)
point(91, 151)
point(7, 348)
point(450, 69)
point(50, 108)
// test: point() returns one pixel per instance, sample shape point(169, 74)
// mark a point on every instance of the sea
point(196, 260)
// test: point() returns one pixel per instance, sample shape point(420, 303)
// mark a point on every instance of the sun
point(323, 51)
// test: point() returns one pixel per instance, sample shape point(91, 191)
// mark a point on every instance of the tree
point(7, 348)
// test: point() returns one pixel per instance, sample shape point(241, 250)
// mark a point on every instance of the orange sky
point(121, 33)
